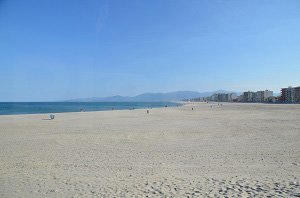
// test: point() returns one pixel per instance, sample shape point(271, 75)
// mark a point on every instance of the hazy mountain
point(170, 96)
point(104, 99)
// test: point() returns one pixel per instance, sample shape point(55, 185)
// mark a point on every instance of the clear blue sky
point(54, 49)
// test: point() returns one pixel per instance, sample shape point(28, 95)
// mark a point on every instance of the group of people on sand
point(211, 106)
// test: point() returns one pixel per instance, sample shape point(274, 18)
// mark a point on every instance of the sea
point(14, 108)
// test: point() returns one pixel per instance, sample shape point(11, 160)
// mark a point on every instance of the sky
point(54, 50)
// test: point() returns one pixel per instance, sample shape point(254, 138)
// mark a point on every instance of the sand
point(234, 150)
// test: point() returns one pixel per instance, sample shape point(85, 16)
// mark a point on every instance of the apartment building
point(259, 96)
point(290, 94)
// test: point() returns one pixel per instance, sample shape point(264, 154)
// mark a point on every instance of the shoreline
point(181, 104)
point(176, 104)
point(234, 150)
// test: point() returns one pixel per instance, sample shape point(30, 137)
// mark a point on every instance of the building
point(263, 96)
point(290, 94)
point(287, 94)
point(248, 96)
point(297, 94)
point(259, 96)
point(231, 97)
point(223, 97)
point(239, 98)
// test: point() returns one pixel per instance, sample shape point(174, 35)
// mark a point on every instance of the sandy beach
point(233, 150)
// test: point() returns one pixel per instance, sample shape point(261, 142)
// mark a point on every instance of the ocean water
point(12, 108)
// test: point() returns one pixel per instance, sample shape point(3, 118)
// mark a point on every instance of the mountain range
point(153, 97)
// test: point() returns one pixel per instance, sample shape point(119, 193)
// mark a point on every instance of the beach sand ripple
point(233, 150)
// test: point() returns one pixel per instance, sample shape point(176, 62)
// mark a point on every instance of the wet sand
point(232, 150)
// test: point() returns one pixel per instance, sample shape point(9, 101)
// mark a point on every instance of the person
point(147, 111)
point(192, 108)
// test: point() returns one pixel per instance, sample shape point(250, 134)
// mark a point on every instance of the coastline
point(78, 108)
point(233, 150)
point(84, 112)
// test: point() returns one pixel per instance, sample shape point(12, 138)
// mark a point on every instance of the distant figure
point(192, 109)
point(51, 116)
point(221, 105)
point(112, 108)
point(147, 111)
point(166, 105)
point(211, 106)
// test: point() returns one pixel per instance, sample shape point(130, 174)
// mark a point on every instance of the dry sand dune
point(234, 150)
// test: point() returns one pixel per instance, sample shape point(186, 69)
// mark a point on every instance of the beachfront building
point(231, 97)
point(268, 95)
point(259, 96)
point(248, 96)
point(240, 98)
point(200, 99)
point(220, 97)
point(290, 94)
point(263, 96)
point(223, 97)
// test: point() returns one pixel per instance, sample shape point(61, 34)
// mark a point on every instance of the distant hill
point(145, 97)
point(104, 99)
